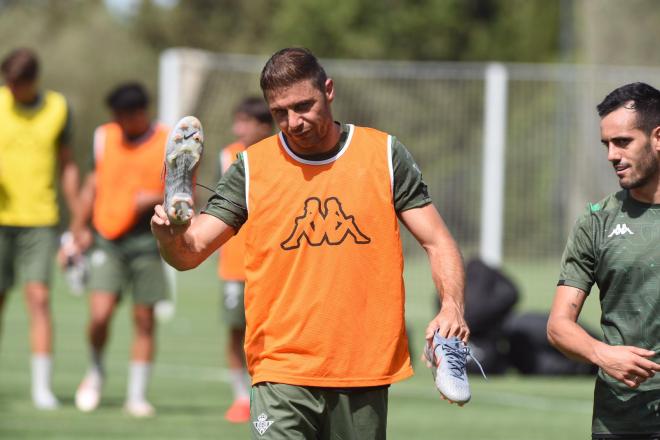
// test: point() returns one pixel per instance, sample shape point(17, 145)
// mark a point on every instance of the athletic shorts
point(233, 307)
point(28, 252)
point(131, 263)
point(280, 411)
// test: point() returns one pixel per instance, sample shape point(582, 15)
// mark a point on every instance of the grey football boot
point(447, 358)
point(184, 151)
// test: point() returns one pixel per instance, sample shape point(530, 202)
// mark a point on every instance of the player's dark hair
point(255, 107)
point(127, 97)
point(641, 97)
point(21, 64)
point(289, 66)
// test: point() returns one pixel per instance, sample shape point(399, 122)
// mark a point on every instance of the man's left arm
point(413, 206)
point(69, 179)
point(447, 271)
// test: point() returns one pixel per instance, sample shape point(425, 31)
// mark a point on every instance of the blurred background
point(419, 69)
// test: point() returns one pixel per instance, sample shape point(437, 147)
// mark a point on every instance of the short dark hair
point(128, 96)
point(255, 107)
point(638, 96)
point(289, 66)
point(21, 64)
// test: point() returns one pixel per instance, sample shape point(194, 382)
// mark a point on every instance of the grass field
point(190, 391)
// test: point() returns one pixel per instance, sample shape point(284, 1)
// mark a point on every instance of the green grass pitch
point(190, 392)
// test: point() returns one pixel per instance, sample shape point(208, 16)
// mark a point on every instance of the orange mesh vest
point(122, 170)
point(232, 254)
point(324, 297)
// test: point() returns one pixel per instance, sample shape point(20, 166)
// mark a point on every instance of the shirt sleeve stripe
point(247, 180)
point(389, 164)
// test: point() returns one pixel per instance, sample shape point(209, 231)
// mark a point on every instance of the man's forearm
point(70, 182)
point(571, 339)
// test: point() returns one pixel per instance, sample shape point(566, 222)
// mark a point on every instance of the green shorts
point(129, 263)
point(233, 307)
point(27, 251)
point(280, 411)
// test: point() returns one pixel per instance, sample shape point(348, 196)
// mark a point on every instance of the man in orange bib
point(319, 205)
point(252, 123)
point(119, 196)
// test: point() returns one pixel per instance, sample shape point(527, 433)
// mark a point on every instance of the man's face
point(23, 91)
point(249, 130)
point(133, 123)
point(303, 113)
point(633, 154)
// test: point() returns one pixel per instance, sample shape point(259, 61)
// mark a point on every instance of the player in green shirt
point(616, 245)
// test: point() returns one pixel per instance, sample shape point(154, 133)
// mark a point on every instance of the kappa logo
point(327, 223)
point(262, 424)
point(620, 229)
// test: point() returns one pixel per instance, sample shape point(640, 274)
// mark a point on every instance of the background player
point(615, 244)
point(325, 333)
point(119, 196)
point(35, 131)
point(252, 123)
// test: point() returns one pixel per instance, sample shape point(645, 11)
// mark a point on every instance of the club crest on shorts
point(323, 222)
point(262, 424)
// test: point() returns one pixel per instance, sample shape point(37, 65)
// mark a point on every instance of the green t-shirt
point(616, 245)
point(228, 203)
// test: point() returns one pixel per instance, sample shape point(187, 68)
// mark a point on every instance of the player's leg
point(286, 412)
point(35, 249)
point(142, 355)
point(234, 317)
point(357, 414)
point(102, 304)
point(6, 267)
point(106, 279)
point(149, 286)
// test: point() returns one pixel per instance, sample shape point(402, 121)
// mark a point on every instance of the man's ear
point(655, 138)
point(330, 90)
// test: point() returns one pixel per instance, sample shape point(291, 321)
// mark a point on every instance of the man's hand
point(449, 322)
point(626, 364)
point(161, 226)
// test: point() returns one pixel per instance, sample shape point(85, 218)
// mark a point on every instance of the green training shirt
point(616, 245)
point(228, 203)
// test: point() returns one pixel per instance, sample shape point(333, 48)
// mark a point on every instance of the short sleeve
point(578, 263)
point(410, 190)
point(228, 202)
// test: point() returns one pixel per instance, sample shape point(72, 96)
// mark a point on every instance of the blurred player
point(324, 300)
point(35, 133)
point(252, 123)
point(616, 245)
point(119, 196)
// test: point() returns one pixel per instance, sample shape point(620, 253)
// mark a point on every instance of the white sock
point(239, 384)
point(138, 380)
point(42, 366)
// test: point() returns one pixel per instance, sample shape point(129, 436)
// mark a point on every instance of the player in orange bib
point(252, 123)
point(319, 205)
point(118, 197)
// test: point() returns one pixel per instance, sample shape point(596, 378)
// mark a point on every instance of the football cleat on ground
point(239, 412)
point(45, 400)
point(182, 155)
point(139, 409)
point(88, 394)
point(447, 358)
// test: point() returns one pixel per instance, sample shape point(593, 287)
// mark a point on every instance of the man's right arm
point(184, 247)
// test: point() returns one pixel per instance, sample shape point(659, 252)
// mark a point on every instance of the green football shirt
point(228, 203)
point(616, 245)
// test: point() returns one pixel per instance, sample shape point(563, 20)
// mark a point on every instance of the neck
point(649, 193)
point(325, 145)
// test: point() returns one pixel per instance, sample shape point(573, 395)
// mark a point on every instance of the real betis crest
point(262, 423)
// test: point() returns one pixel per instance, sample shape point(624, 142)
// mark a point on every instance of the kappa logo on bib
point(323, 223)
